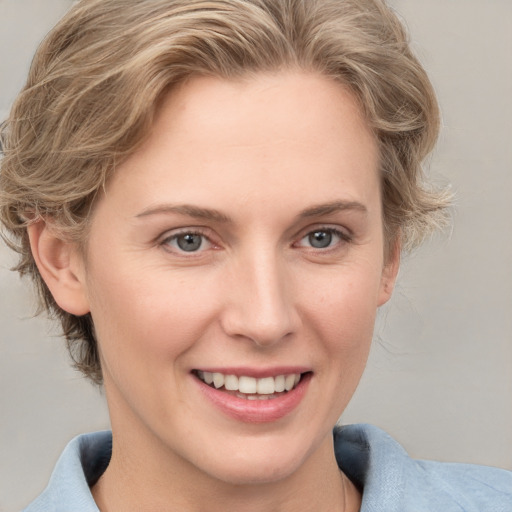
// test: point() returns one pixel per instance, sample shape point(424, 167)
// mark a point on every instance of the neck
point(153, 479)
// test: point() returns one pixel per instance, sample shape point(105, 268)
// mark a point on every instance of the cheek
point(347, 303)
point(147, 318)
point(343, 318)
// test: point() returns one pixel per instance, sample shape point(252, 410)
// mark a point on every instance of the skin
point(266, 154)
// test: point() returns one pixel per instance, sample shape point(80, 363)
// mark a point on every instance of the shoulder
point(392, 481)
point(468, 486)
point(82, 462)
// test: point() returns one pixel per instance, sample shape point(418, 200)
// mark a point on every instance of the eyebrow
point(186, 209)
point(333, 207)
point(217, 216)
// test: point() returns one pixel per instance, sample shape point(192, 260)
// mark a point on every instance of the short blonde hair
point(97, 78)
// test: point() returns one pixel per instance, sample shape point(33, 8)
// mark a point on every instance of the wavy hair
point(98, 76)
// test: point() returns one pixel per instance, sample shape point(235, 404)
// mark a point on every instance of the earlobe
point(61, 267)
point(390, 272)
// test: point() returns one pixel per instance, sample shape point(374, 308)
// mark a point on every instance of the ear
point(390, 271)
point(61, 266)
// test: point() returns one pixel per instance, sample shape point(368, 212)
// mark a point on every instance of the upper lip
point(257, 373)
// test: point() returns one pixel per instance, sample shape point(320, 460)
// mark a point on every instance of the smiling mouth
point(251, 388)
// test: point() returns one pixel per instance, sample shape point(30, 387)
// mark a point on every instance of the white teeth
point(279, 383)
point(218, 380)
point(247, 385)
point(231, 382)
point(264, 387)
point(289, 382)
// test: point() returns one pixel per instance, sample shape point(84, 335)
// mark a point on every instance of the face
point(242, 243)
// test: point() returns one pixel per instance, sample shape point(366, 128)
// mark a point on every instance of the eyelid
point(172, 234)
point(344, 234)
point(163, 240)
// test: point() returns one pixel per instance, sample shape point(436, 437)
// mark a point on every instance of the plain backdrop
point(439, 377)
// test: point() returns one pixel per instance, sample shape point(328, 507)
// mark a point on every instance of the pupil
point(320, 239)
point(189, 242)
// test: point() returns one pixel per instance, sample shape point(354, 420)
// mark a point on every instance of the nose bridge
point(261, 306)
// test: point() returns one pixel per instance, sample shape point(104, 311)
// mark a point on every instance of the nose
point(259, 302)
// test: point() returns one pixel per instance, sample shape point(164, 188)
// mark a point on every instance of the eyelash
point(166, 242)
point(343, 236)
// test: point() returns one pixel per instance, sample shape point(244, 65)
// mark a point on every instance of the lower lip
point(256, 411)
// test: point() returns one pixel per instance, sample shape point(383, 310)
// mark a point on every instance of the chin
point(256, 472)
point(253, 463)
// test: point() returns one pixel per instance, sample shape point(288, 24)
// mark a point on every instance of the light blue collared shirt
point(389, 479)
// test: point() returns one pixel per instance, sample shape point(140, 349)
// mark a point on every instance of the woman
point(213, 197)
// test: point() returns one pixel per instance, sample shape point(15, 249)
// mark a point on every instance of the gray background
point(440, 374)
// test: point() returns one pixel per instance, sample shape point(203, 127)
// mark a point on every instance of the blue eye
point(320, 239)
point(187, 242)
point(323, 238)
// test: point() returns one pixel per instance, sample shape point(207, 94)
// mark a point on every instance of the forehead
point(281, 107)
point(255, 138)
